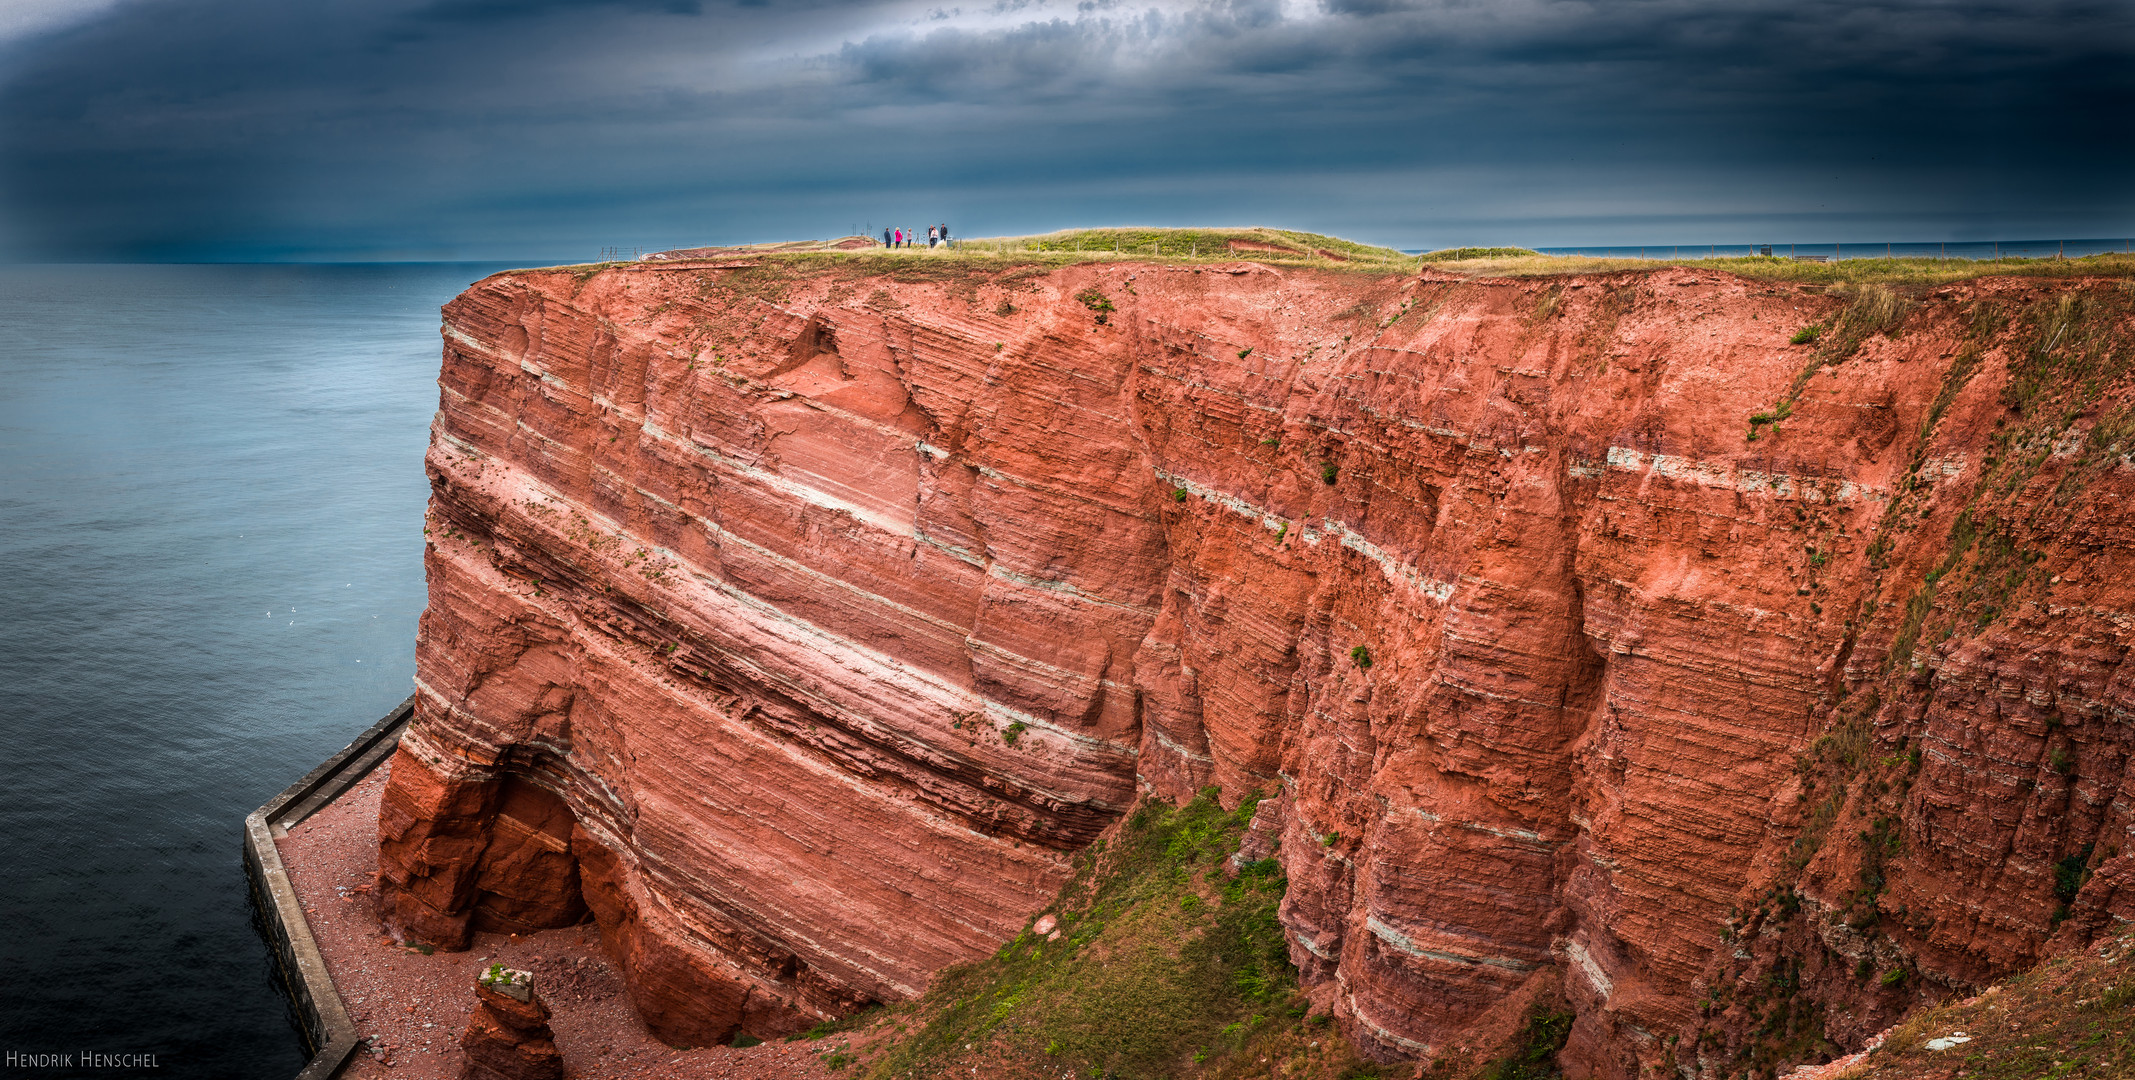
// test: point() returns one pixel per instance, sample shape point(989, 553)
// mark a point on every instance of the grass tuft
point(1536, 1056)
point(1462, 254)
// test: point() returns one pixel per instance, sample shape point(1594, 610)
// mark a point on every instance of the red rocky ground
point(415, 1007)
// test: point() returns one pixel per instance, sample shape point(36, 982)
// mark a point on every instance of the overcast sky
point(546, 129)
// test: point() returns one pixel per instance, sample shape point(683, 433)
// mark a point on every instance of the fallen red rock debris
point(409, 1006)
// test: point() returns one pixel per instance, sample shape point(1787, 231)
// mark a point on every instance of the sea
point(211, 500)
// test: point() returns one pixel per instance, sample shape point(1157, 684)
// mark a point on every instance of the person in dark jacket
point(885, 236)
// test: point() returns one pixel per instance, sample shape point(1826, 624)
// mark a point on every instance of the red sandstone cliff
point(799, 619)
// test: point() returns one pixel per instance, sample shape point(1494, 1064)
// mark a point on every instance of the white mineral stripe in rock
point(946, 695)
point(1720, 475)
point(1440, 591)
point(778, 483)
point(1583, 962)
point(1162, 740)
point(1380, 1030)
point(1403, 942)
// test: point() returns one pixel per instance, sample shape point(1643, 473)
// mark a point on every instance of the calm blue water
point(211, 493)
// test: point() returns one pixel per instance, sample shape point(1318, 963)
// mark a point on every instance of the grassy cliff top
point(1290, 247)
point(1074, 245)
point(1259, 244)
point(1514, 262)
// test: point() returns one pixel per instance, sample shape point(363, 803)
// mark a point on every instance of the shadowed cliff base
point(1716, 645)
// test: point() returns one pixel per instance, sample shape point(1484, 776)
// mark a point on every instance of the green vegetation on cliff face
point(1956, 555)
point(1160, 964)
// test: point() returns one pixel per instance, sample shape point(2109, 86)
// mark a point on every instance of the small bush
point(1807, 335)
point(2061, 761)
point(1361, 656)
point(747, 1040)
point(1243, 353)
point(1328, 472)
point(1178, 495)
point(1540, 1041)
point(1893, 977)
point(2070, 875)
point(1095, 301)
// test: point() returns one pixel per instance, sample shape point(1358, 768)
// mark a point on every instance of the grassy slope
point(2070, 1016)
point(1165, 966)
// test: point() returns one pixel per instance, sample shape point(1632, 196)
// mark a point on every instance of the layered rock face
point(798, 619)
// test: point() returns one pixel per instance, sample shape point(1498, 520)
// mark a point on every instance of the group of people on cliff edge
point(937, 235)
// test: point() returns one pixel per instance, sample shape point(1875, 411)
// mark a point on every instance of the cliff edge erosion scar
point(799, 618)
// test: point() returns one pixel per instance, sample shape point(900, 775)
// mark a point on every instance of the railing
point(329, 1031)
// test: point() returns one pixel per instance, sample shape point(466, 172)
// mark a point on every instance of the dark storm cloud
point(498, 10)
point(239, 127)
